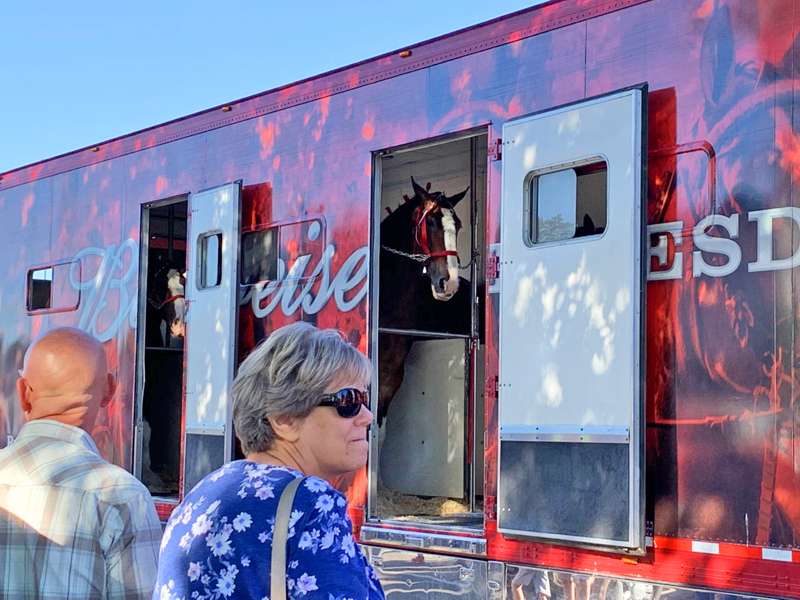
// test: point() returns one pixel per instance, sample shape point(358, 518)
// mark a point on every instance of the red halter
point(421, 235)
point(168, 300)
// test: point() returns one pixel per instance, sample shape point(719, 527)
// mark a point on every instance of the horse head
point(173, 310)
point(435, 227)
point(175, 282)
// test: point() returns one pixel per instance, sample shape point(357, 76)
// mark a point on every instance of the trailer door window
point(265, 249)
point(210, 267)
point(259, 256)
point(568, 203)
point(50, 290)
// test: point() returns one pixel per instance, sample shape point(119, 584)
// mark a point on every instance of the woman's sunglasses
point(347, 401)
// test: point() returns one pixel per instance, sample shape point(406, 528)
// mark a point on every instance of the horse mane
point(395, 227)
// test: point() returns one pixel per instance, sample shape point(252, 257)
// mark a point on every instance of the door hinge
point(493, 269)
point(492, 385)
point(496, 149)
point(490, 508)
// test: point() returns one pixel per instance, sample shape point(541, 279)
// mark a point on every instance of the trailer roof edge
point(463, 42)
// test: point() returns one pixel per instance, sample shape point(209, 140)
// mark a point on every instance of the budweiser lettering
point(765, 260)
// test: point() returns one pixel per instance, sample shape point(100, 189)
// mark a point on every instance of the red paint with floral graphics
point(722, 420)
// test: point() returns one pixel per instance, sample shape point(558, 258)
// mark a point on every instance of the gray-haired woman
point(300, 408)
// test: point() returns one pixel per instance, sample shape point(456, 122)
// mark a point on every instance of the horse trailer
point(567, 239)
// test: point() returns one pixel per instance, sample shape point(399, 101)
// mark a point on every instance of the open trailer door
point(571, 384)
point(211, 287)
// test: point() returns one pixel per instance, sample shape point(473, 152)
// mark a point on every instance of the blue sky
point(76, 73)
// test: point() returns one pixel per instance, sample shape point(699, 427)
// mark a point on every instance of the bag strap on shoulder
point(280, 535)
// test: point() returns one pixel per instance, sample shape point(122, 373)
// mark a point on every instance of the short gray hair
point(286, 376)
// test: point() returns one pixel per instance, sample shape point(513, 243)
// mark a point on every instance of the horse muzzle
point(444, 289)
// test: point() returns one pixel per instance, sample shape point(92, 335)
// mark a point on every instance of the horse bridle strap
point(168, 300)
point(421, 237)
point(431, 255)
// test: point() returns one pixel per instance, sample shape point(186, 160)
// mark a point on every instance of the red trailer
point(567, 238)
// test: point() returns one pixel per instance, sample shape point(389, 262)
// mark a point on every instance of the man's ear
point(111, 387)
point(23, 392)
point(286, 427)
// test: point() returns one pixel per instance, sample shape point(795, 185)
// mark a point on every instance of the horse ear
point(453, 200)
point(418, 189)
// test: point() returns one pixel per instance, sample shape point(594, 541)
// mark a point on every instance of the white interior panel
point(423, 452)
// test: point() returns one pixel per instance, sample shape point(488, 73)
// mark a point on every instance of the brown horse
point(420, 288)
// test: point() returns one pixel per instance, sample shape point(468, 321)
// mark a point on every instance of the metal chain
point(422, 258)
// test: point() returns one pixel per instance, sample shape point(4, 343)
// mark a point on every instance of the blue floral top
point(218, 542)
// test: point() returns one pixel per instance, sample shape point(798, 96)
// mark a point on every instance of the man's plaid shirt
point(71, 524)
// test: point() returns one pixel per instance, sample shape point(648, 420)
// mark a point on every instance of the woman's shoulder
point(317, 485)
point(245, 476)
point(237, 484)
point(320, 495)
point(229, 499)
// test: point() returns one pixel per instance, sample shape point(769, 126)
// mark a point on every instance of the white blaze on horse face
point(177, 312)
point(450, 244)
point(174, 284)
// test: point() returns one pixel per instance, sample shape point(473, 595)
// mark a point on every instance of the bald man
point(71, 524)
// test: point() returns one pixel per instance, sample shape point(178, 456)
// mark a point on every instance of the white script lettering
point(116, 268)
point(265, 297)
point(765, 220)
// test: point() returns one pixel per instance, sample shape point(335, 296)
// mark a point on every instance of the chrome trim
point(495, 580)
point(171, 500)
point(421, 333)
point(419, 539)
point(141, 313)
point(409, 573)
point(565, 433)
point(435, 141)
point(429, 526)
point(236, 237)
point(207, 431)
point(373, 460)
point(595, 543)
point(474, 394)
point(536, 582)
